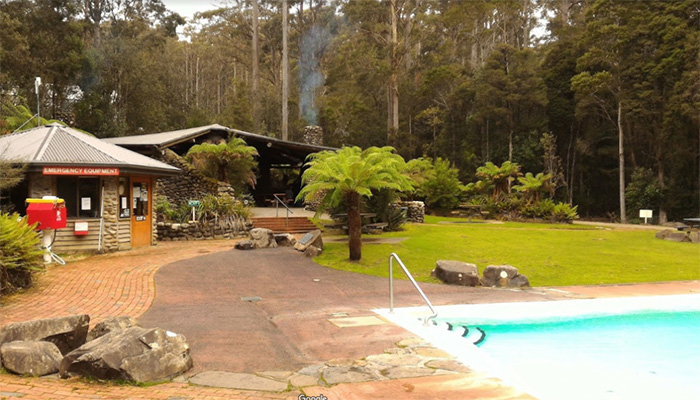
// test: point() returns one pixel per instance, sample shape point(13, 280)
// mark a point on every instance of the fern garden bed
point(548, 254)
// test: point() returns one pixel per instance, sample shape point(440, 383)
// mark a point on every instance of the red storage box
point(50, 214)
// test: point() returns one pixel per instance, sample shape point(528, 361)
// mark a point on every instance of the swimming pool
point(624, 348)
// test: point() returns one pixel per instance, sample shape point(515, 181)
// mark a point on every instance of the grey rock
point(456, 273)
point(335, 375)
point(395, 359)
point(519, 281)
point(312, 238)
point(300, 380)
point(262, 238)
point(112, 324)
point(431, 352)
point(663, 234)
point(398, 350)
point(276, 375)
point(312, 251)
point(313, 370)
point(244, 245)
point(234, 380)
point(492, 277)
point(694, 236)
point(11, 394)
point(67, 333)
point(676, 236)
point(285, 240)
point(450, 365)
point(407, 372)
point(134, 354)
point(30, 357)
point(340, 362)
point(410, 342)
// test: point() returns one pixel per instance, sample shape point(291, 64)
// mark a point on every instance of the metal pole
point(37, 82)
point(413, 281)
point(391, 284)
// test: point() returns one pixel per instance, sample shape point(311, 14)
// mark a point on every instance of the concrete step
point(281, 225)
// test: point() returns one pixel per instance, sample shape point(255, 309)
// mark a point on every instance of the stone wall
point(154, 214)
point(415, 210)
point(201, 231)
point(313, 135)
point(40, 185)
point(110, 233)
point(189, 185)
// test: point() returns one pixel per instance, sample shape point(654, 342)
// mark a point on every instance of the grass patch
point(549, 255)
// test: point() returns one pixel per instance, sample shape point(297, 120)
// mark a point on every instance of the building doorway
point(141, 216)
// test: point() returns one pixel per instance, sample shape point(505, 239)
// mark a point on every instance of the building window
point(124, 209)
point(140, 202)
point(82, 196)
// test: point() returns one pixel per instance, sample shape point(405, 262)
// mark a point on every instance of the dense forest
point(606, 96)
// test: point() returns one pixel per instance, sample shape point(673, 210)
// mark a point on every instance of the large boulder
point(694, 236)
point(456, 273)
point(30, 357)
point(244, 245)
point(262, 238)
point(503, 276)
point(312, 252)
point(111, 324)
point(312, 238)
point(677, 236)
point(285, 240)
point(135, 354)
point(67, 333)
point(663, 234)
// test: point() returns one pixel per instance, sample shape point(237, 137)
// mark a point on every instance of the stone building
point(108, 190)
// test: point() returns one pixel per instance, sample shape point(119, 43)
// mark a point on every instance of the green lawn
point(549, 255)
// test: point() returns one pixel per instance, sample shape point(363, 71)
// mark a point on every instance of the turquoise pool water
point(648, 354)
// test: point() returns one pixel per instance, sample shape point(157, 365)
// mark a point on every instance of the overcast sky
point(187, 8)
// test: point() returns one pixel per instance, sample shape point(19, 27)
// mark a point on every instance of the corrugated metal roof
point(55, 144)
point(166, 139)
point(163, 139)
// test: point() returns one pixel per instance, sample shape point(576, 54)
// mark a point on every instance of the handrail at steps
point(277, 204)
point(393, 256)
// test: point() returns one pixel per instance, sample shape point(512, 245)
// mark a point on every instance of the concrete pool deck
point(199, 289)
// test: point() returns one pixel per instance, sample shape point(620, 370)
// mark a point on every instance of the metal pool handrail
point(393, 256)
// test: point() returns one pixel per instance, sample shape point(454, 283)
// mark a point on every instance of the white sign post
point(646, 214)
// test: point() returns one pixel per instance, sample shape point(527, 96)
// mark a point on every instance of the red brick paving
point(51, 389)
point(103, 286)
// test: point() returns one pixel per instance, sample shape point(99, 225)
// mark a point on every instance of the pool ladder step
point(475, 335)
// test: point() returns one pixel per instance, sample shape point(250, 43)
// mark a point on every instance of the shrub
point(20, 253)
point(167, 213)
point(643, 192)
point(564, 212)
point(543, 209)
point(224, 210)
point(395, 218)
point(442, 189)
point(382, 203)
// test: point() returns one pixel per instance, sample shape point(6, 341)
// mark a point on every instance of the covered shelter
point(108, 190)
point(285, 157)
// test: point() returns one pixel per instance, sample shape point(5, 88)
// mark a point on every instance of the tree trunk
point(256, 67)
point(663, 217)
point(394, 91)
point(354, 226)
point(510, 140)
point(285, 73)
point(620, 132)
